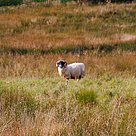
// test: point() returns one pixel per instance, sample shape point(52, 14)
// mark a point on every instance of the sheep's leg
point(77, 80)
point(67, 82)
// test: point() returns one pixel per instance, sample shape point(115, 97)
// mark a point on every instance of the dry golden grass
point(64, 26)
point(42, 66)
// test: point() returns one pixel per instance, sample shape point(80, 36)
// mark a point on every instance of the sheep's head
point(61, 64)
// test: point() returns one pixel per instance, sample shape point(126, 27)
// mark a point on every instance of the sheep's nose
point(60, 66)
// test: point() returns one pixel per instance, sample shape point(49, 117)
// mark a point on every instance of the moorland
point(34, 100)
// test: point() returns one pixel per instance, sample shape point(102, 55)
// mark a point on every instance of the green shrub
point(10, 2)
point(86, 96)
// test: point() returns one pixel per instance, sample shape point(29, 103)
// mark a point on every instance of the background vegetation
point(33, 99)
point(50, 2)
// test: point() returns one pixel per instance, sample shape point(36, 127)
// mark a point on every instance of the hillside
point(35, 101)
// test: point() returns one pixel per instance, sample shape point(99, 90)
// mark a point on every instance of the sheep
point(71, 71)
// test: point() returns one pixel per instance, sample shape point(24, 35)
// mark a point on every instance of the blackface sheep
point(71, 71)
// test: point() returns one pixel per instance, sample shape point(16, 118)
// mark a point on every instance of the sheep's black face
point(61, 64)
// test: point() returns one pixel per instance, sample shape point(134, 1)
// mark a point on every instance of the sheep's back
point(77, 69)
point(77, 65)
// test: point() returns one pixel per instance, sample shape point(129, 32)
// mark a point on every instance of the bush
point(86, 96)
point(10, 2)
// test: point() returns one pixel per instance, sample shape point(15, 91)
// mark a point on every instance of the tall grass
point(94, 107)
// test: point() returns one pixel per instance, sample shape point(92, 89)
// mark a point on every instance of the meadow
point(35, 101)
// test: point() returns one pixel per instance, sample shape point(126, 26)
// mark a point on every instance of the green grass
point(93, 106)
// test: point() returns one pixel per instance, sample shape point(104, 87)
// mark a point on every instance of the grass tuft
point(86, 96)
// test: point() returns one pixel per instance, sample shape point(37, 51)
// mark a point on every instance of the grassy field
point(35, 101)
point(101, 106)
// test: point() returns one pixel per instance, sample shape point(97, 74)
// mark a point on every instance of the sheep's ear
point(65, 64)
point(57, 63)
